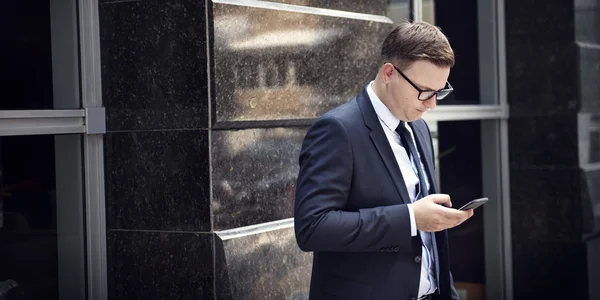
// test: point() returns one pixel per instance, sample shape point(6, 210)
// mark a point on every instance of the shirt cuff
point(413, 223)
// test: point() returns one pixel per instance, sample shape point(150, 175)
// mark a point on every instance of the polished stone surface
point(254, 175)
point(261, 265)
point(157, 180)
point(359, 6)
point(543, 141)
point(549, 269)
point(160, 265)
point(547, 204)
point(274, 65)
point(530, 94)
point(154, 65)
point(540, 20)
point(542, 77)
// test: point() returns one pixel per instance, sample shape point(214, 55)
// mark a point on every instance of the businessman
point(366, 200)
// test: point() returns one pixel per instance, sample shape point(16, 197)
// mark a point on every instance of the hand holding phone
point(434, 213)
point(474, 203)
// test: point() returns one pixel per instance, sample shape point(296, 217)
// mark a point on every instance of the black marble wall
point(550, 81)
point(207, 104)
point(157, 163)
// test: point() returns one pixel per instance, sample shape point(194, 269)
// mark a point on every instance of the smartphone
point(474, 203)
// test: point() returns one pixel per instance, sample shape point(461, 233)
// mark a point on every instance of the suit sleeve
point(322, 190)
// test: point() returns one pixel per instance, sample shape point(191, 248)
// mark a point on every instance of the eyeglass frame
point(435, 93)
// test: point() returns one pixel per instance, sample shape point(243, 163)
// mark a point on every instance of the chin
point(417, 117)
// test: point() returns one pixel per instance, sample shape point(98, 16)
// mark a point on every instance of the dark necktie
point(411, 150)
point(409, 144)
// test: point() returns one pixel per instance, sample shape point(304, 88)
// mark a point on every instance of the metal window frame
point(29, 122)
point(416, 10)
point(90, 122)
point(91, 93)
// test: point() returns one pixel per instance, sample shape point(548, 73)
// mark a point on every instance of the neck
point(380, 90)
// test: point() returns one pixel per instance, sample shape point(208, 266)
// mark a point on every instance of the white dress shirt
point(407, 166)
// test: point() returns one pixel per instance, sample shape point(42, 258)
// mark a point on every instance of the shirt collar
point(381, 110)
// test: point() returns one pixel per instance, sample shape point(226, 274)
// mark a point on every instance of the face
point(401, 97)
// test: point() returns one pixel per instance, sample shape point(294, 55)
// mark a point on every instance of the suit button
point(418, 259)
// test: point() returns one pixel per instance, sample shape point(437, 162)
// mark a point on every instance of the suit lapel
point(425, 150)
point(382, 144)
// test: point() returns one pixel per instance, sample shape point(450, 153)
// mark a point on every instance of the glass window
point(459, 167)
point(463, 35)
point(398, 10)
point(587, 33)
point(429, 11)
point(41, 218)
point(587, 21)
point(37, 45)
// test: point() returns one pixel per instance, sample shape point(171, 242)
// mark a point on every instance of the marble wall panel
point(273, 64)
point(158, 180)
point(261, 262)
point(154, 64)
point(254, 175)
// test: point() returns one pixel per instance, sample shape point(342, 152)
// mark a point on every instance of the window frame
point(80, 81)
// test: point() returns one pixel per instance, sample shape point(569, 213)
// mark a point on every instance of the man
point(364, 165)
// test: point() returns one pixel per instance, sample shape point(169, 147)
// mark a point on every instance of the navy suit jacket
point(351, 209)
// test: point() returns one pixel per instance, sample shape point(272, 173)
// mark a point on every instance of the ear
point(387, 71)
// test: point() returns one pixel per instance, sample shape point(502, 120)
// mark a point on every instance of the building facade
point(149, 148)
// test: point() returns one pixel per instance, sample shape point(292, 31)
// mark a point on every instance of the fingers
point(470, 212)
point(456, 217)
point(441, 199)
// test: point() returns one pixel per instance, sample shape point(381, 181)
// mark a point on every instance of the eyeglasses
point(425, 95)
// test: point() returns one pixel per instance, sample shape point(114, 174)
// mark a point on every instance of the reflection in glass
point(398, 10)
point(254, 175)
point(594, 146)
point(38, 56)
point(587, 21)
point(587, 34)
point(463, 35)
point(41, 234)
point(459, 168)
point(273, 64)
point(429, 11)
point(589, 161)
point(262, 264)
point(25, 55)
